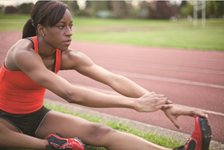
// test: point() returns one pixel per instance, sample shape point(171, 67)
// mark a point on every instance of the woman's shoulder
point(72, 58)
point(23, 44)
point(20, 51)
point(71, 54)
point(22, 47)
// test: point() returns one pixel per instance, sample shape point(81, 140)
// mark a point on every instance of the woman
point(30, 67)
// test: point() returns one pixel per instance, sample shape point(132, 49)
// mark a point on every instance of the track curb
point(134, 124)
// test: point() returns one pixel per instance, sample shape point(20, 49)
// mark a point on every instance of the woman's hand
point(174, 112)
point(151, 102)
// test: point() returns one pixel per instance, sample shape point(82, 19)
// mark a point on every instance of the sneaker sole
point(206, 132)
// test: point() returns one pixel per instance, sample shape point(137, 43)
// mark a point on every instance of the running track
point(189, 78)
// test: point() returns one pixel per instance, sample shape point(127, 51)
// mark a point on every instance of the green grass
point(152, 137)
point(159, 33)
point(180, 34)
point(95, 22)
point(12, 22)
point(190, 38)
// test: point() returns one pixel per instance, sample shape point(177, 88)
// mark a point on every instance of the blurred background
point(125, 9)
point(152, 23)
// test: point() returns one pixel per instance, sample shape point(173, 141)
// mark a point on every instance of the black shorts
point(26, 123)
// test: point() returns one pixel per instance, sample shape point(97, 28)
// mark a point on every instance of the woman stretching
point(30, 68)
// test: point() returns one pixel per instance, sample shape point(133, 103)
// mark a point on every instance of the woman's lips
point(68, 42)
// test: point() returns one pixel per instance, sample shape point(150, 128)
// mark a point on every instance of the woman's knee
point(98, 131)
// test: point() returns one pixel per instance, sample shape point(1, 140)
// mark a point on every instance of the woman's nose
point(68, 31)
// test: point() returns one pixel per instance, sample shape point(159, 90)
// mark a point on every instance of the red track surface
point(187, 77)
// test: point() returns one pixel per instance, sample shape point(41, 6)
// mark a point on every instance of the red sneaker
point(56, 142)
point(201, 137)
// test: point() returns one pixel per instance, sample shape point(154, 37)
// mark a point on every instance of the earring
point(43, 34)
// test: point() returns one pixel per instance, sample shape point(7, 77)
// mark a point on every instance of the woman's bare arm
point(84, 65)
point(31, 64)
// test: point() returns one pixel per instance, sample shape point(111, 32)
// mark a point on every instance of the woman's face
point(59, 36)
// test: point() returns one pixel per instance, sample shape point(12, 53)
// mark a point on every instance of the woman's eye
point(70, 26)
point(61, 26)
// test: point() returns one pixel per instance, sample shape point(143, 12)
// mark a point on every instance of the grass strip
point(209, 39)
point(152, 137)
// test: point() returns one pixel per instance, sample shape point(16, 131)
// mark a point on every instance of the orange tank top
point(18, 93)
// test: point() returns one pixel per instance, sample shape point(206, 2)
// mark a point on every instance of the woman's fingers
point(164, 101)
point(164, 106)
point(161, 96)
point(195, 113)
point(175, 111)
point(152, 102)
point(175, 122)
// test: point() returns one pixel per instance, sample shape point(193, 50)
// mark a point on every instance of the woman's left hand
point(174, 112)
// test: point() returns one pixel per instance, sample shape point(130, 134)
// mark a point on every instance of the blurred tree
point(94, 6)
point(144, 9)
point(161, 10)
point(187, 9)
point(10, 10)
point(182, 4)
point(215, 9)
point(73, 7)
point(88, 4)
point(131, 11)
point(119, 9)
point(25, 8)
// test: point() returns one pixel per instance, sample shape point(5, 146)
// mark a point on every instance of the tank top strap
point(35, 43)
point(58, 60)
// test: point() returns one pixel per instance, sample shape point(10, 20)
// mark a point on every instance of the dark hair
point(46, 13)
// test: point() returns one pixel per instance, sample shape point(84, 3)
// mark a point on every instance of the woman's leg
point(92, 133)
point(10, 137)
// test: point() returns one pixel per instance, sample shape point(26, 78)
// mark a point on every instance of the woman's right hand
point(151, 102)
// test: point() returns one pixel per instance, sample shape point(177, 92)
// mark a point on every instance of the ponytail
point(28, 29)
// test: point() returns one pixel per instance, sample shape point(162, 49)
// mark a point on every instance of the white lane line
point(203, 110)
point(115, 93)
point(188, 69)
point(166, 79)
point(168, 67)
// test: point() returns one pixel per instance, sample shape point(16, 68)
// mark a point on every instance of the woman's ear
point(41, 30)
